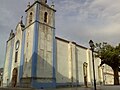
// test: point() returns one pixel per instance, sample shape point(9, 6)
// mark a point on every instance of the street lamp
point(91, 43)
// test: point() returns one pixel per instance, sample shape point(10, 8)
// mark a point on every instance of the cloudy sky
point(76, 20)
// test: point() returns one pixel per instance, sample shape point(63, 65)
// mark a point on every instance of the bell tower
point(39, 49)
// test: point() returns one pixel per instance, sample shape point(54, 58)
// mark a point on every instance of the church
point(36, 58)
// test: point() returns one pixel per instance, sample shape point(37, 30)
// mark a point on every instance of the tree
point(111, 56)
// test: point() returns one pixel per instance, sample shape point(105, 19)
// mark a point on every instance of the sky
point(76, 20)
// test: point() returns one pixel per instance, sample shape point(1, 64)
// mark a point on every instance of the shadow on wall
point(46, 73)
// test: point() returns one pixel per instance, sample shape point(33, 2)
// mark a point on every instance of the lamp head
point(91, 43)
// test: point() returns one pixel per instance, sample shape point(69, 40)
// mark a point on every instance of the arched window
point(45, 16)
point(16, 56)
point(85, 73)
point(45, 1)
point(30, 17)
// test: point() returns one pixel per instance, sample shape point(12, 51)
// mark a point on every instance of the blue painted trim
point(54, 52)
point(54, 58)
point(22, 55)
point(35, 43)
point(39, 85)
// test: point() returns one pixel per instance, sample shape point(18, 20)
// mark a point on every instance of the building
point(1, 76)
point(109, 75)
point(36, 58)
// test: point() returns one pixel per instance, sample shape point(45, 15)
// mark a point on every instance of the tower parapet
point(43, 1)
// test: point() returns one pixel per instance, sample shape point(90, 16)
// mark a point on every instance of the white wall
point(28, 51)
point(74, 62)
point(108, 75)
point(18, 36)
point(28, 48)
point(98, 71)
point(8, 60)
point(82, 57)
point(70, 60)
point(45, 46)
point(62, 74)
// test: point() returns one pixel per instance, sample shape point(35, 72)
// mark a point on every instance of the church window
point(27, 44)
point(45, 1)
point(85, 73)
point(16, 55)
point(85, 69)
point(45, 16)
point(17, 45)
point(30, 17)
point(26, 60)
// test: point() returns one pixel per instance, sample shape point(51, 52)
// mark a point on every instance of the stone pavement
point(71, 88)
point(110, 87)
point(10, 88)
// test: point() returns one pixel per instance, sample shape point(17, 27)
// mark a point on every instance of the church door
point(14, 77)
point(85, 73)
point(0, 83)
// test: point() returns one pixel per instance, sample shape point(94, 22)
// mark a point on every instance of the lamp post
point(91, 43)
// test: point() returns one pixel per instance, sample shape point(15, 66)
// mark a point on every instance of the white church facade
point(36, 58)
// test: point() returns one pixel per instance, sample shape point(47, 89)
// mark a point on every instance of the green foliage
point(108, 54)
point(111, 56)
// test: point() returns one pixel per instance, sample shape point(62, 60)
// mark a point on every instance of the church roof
point(71, 41)
point(41, 4)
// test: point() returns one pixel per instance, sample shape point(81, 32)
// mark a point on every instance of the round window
point(17, 44)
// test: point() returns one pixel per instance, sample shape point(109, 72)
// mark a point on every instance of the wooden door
point(85, 73)
point(14, 77)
